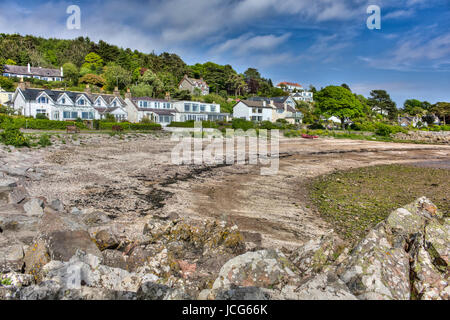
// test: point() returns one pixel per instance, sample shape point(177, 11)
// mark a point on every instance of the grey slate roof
point(23, 70)
point(274, 99)
point(32, 94)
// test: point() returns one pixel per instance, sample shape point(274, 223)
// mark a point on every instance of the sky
point(318, 42)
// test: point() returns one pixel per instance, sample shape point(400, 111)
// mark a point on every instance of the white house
point(262, 111)
point(289, 86)
point(164, 111)
point(193, 85)
point(67, 105)
point(5, 97)
point(303, 96)
point(32, 72)
point(159, 110)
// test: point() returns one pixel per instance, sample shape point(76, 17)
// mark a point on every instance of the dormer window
point(81, 102)
point(63, 101)
point(43, 100)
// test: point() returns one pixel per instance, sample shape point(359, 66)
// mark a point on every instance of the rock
point(376, 269)
point(316, 255)
point(17, 195)
point(34, 207)
point(106, 240)
point(7, 183)
point(53, 221)
point(46, 290)
point(437, 235)
point(62, 245)
point(114, 259)
point(264, 269)
point(429, 283)
point(57, 205)
point(18, 280)
point(325, 286)
point(36, 256)
point(156, 291)
point(11, 258)
point(95, 218)
point(76, 211)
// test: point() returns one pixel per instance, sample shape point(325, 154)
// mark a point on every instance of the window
point(195, 107)
point(114, 103)
point(213, 108)
point(187, 107)
point(157, 105)
point(63, 100)
point(56, 115)
point(66, 114)
point(85, 115)
point(43, 100)
point(41, 111)
point(81, 102)
point(74, 115)
point(203, 108)
point(260, 111)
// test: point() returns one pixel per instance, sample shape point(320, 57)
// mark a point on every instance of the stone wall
point(426, 136)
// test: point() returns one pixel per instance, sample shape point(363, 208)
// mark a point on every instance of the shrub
point(41, 116)
point(316, 126)
point(243, 124)
point(44, 140)
point(383, 130)
point(12, 136)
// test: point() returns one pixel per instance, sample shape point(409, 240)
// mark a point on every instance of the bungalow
point(32, 72)
point(194, 85)
point(67, 105)
point(198, 111)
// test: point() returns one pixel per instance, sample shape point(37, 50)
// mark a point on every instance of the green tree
point(116, 76)
point(71, 73)
point(413, 107)
point(381, 101)
point(142, 90)
point(151, 79)
point(442, 110)
point(339, 102)
point(93, 79)
point(93, 63)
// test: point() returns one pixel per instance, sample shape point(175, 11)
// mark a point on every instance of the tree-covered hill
point(103, 65)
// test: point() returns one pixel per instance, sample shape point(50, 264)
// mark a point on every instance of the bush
point(130, 126)
point(383, 130)
point(316, 126)
point(41, 116)
point(243, 124)
point(12, 136)
point(44, 140)
point(191, 123)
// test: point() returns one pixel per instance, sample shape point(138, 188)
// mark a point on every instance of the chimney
point(116, 92)
point(88, 89)
point(264, 103)
point(128, 94)
point(167, 96)
point(21, 85)
point(29, 68)
point(62, 72)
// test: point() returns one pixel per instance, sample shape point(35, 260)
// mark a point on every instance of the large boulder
point(262, 269)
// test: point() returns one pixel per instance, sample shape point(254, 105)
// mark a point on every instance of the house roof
point(255, 104)
point(274, 99)
point(195, 82)
point(23, 70)
point(160, 112)
point(289, 84)
point(32, 94)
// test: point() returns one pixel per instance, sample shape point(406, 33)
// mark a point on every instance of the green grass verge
point(354, 201)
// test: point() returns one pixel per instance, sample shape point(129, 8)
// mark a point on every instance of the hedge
point(190, 124)
point(37, 124)
point(130, 126)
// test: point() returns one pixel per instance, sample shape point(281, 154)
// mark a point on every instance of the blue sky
point(318, 42)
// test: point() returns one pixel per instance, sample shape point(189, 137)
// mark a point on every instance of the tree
point(71, 73)
point(380, 101)
point(93, 79)
point(151, 79)
point(142, 90)
point(7, 84)
point(442, 110)
point(93, 64)
point(344, 85)
point(339, 102)
point(116, 76)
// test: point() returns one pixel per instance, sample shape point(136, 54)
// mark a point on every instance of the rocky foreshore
point(442, 137)
point(50, 251)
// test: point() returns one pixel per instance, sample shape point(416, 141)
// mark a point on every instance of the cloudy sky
point(317, 42)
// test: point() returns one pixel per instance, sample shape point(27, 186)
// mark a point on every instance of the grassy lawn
point(353, 201)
